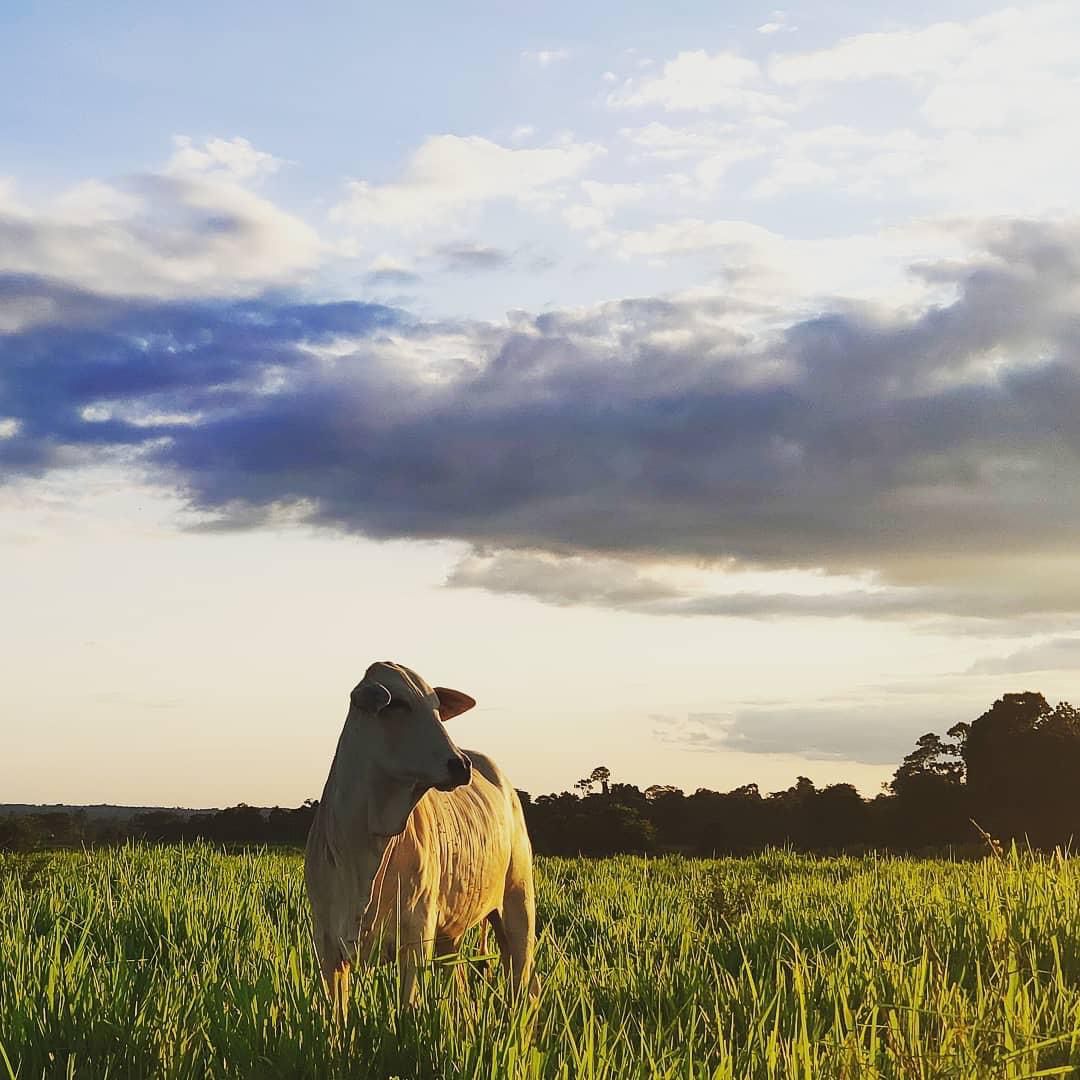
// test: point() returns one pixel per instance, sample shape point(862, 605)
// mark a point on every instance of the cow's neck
point(366, 809)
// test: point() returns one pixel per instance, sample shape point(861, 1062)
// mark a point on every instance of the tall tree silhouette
point(601, 775)
point(931, 806)
point(1000, 758)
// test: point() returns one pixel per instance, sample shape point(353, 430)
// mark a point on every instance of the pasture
point(191, 963)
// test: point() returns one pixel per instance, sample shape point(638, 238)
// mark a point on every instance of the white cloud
point(603, 200)
point(987, 98)
point(698, 80)
point(671, 144)
point(9, 427)
point(582, 217)
point(93, 200)
point(232, 159)
point(761, 266)
point(451, 173)
point(608, 196)
point(716, 148)
point(969, 173)
point(692, 235)
point(8, 200)
point(159, 234)
point(862, 162)
point(1006, 70)
point(901, 54)
point(1021, 70)
point(729, 142)
point(386, 262)
point(792, 173)
point(974, 123)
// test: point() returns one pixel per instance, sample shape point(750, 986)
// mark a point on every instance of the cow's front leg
point(416, 940)
point(336, 953)
point(339, 988)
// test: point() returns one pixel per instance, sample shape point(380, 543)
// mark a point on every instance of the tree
point(959, 735)
point(658, 791)
point(838, 818)
point(601, 775)
point(999, 756)
point(930, 805)
point(18, 833)
point(667, 808)
point(931, 757)
point(1048, 804)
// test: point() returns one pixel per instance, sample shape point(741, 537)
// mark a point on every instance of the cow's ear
point(370, 696)
point(453, 702)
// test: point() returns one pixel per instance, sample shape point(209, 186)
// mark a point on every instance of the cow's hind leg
point(482, 963)
point(447, 947)
point(515, 929)
point(503, 942)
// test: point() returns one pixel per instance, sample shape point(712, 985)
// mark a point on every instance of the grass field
point(191, 963)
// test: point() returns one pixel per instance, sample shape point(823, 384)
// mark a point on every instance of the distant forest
point(1011, 775)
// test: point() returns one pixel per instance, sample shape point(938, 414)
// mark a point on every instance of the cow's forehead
point(402, 681)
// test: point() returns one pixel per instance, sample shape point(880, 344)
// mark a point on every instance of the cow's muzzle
point(459, 772)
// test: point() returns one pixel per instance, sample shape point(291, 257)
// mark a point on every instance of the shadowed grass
point(190, 963)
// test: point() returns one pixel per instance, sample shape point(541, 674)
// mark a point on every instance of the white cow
point(414, 842)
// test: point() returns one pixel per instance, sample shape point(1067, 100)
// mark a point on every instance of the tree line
point(1013, 774)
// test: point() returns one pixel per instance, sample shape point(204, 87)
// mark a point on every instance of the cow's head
point(399, 718)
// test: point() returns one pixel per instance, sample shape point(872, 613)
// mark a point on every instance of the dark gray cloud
point(97, 371)
point(392, 277)
point(1001, 608)
point(1059, 654)
point(570, 580)
point(472, 258)
point(938, 447)
point(564, 582)
point(872, 733)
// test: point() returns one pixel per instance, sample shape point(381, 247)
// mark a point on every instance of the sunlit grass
point(171, 962)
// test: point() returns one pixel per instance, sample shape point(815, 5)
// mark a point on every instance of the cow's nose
point(460, 770)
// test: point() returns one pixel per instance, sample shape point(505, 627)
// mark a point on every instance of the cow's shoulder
point(487, 768)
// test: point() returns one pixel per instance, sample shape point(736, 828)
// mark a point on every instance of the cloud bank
point(925, 446)
point(873, 733)
point(1058, 654)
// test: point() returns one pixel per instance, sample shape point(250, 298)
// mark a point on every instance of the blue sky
point(345, 88)
point(713, 376)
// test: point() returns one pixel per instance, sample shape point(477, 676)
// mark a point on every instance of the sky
point(697, 390)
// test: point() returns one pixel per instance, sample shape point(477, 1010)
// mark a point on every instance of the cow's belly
point(452, 858)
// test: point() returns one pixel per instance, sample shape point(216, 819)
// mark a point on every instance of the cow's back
point(457, 850)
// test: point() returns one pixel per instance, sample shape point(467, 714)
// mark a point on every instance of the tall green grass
point(175, 963)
